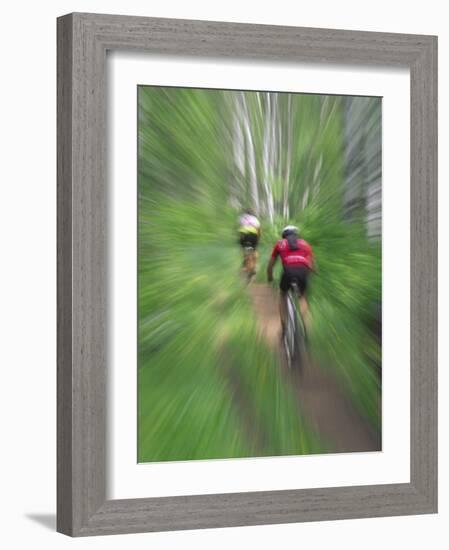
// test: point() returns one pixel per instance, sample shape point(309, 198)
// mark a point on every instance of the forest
point(209, 385)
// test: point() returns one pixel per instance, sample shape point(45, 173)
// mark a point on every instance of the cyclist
point(297, 261)
point(249, 233)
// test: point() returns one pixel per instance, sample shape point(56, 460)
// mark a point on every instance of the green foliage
point(209, 387)
point(344, 298)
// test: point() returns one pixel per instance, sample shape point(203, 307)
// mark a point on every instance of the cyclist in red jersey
point(297, 261)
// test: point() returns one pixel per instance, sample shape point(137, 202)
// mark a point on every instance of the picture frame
point(83, 40)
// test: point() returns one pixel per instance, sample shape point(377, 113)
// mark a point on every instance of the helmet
point(290, 230)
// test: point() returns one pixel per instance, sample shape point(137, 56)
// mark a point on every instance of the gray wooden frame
point(83, 40)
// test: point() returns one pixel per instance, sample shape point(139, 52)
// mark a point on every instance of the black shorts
point(299, 274)
point(249, 239)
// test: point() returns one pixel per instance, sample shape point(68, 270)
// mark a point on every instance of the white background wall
point(27, 292)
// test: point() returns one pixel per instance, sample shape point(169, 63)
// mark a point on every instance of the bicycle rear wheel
point(294, 335)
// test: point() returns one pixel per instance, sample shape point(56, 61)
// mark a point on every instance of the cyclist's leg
point(252, 265)
point(302, 278)
point(252, 241)
point(242, 241)
point(255, 253)
point(283, 286)
point(283, 307)
point(304, 309)
point(255, 258)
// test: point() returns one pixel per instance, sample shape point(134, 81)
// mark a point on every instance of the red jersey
point(302, 256)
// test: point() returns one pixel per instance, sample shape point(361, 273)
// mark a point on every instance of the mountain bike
point(249, 262)
point(294, 335)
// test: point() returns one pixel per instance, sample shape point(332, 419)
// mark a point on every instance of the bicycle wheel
point(291, 325)
point(294, 336)
point(300, 348)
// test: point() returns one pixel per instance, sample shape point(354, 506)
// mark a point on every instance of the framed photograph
point(247, 274)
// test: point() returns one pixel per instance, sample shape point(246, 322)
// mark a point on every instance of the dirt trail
point(324, 405)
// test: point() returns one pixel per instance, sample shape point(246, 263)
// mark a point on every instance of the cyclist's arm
point(270, 269)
